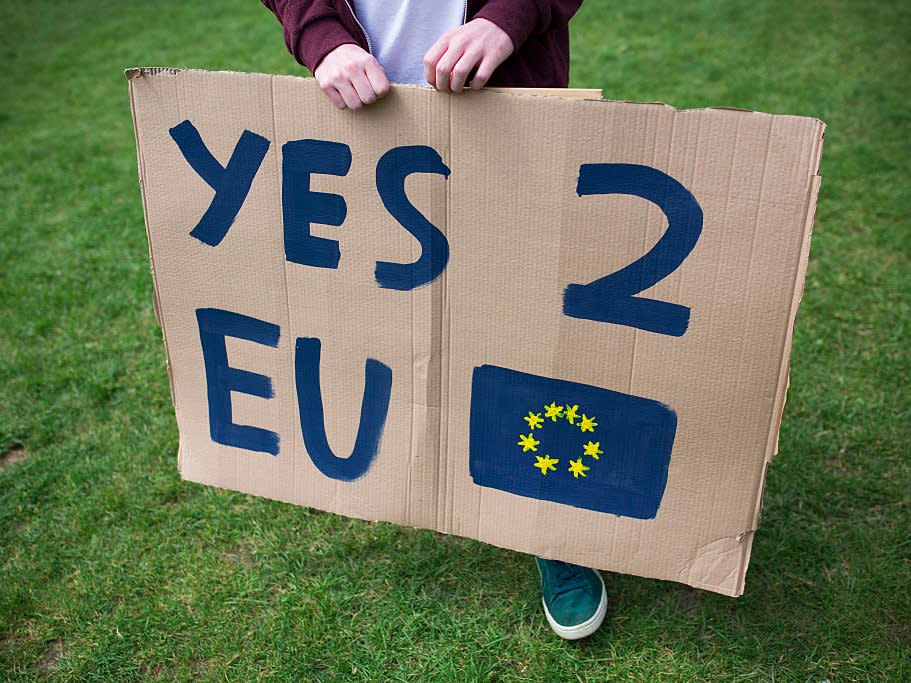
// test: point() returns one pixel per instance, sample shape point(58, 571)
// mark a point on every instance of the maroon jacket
point(539, 30)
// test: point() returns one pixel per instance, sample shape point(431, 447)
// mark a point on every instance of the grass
point(111, 569)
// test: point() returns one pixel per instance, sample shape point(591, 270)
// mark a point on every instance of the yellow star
point(553, 411)
point(593, 449)
point(571, 413)
point(577, 468)
point(546, 463)
point(528, 442)
point(534, 420)
point(587, 424)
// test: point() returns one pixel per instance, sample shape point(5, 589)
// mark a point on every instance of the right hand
point(351, 77)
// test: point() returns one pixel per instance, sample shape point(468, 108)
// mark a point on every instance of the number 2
point(611, 299)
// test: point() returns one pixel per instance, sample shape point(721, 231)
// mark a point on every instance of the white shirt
point(400, 32)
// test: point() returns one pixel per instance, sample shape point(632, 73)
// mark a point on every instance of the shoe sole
point(586, 628)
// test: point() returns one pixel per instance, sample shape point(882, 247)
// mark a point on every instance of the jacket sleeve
point(311, 28)
point(521, 19)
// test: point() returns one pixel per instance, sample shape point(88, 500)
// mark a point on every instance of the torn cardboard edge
point(593, 94)
point(572, 93)
point(156, 300)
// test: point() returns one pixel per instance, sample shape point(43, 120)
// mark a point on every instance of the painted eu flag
point(569, 443)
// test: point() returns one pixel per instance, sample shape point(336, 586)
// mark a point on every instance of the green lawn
point(112, 569)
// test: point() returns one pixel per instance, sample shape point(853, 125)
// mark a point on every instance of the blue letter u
point(374, 408)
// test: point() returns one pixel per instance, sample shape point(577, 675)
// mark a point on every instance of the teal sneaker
point(574, 598)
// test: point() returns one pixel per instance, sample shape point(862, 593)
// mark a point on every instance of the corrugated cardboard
point(658, 472)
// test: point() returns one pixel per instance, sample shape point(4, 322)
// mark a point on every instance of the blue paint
point(374, 409)
point(611, 298)
point(635, 433)
point(391, 171)
point(301, 207)
point(221, 379)
point(231, 183)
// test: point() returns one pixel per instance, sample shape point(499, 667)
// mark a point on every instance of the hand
point(351, 77)
point(479, 43)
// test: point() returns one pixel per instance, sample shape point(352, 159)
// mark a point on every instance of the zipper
point(364, 31)
point(465, 13)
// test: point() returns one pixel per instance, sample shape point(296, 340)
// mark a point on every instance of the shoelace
point(569, 578)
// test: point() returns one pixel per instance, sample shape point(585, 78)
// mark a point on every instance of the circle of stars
point(554, 413)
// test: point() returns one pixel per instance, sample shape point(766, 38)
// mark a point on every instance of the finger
point(377, 78)
point(461, 70)
point(444, 68)
point(335, 96)
point(485, 71)
point(431, 57)
point(349, 95)
point(363, 88)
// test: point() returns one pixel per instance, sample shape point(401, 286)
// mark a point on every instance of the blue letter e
point(301, 206)
point(221, 379)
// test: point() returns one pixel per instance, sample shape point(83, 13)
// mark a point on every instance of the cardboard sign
point(560, 326)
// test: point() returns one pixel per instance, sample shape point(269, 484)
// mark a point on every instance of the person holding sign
point(355, 48)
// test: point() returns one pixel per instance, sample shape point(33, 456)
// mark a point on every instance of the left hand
point(479, 43)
